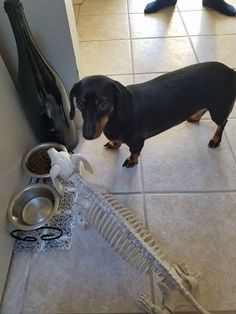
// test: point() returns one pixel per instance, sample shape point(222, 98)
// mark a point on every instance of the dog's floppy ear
point(123, 100)
point(73, 93)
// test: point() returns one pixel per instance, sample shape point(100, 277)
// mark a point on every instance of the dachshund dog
point(136, 112)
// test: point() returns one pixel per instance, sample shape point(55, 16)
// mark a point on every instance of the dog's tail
point(72, 105)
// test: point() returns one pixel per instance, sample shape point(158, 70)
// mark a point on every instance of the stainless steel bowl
point(38, 148)
point(33, 207)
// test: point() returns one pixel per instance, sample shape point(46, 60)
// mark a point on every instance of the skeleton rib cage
point(124, 232)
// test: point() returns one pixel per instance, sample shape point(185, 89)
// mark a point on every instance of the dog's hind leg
point(219, 114)
point(216, 139)
point(197, 116)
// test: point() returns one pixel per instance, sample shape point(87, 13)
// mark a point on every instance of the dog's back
point(175, 96)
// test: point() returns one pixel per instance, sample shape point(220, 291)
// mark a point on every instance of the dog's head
point(99, 99)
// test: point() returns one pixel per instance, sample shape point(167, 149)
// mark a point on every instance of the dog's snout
point(88, 136)
point(88, 131)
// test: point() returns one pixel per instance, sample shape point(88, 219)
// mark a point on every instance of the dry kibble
point(39, 162)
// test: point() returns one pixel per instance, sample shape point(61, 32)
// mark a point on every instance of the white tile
point(180, 160)
point(107, 166)
point(230, 130)
point(103, 27)
point(161, 54)
point(208, 23)
point(156, 25)
point(199, 230)
point(123, 79)
point(140, 78)
point(97, 7)
point(105, 57)
point(186, 5)
point(215, 48)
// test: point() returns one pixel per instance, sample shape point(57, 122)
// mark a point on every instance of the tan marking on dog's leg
point(197, 116)
point(113, 144)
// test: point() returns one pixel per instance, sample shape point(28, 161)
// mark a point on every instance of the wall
point(53, 26)
point(15, 138)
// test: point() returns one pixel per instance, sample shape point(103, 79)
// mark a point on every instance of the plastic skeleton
point(127, 236)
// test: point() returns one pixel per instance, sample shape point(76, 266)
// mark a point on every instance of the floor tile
point(123, 79)
point(156, 25)
point(13, 299)
point(105, 57)
point(191, 227)
point(230, 130)
point(90, 278)
point(107, 166)
point(103, 27)
point(215, 48)
point(140, 78)
point(179, 160)
point(137, 6)
point(96, 7)
point(208, 23)
point(161, 54)
point(226, 215)
point(186, 5)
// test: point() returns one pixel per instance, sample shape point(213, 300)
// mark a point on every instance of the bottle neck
point(26, 45)
point(20, 27)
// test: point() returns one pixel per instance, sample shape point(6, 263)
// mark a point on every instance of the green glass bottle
point(44, 98)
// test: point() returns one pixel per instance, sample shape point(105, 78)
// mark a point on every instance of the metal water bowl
point(33, 207)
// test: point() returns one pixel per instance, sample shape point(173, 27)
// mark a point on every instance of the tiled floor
point(182, 190)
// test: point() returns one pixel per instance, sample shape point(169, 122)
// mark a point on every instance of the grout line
point(130, 43)
point(189, 37)
point(157, 37)
point(230, 147)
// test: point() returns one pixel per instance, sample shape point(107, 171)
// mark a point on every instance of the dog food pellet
point(39, 162)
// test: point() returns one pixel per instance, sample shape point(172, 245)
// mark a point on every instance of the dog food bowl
point(33, 207)
point(37, 162)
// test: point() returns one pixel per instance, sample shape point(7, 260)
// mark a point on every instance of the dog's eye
point(103, 105)
point(80, 103)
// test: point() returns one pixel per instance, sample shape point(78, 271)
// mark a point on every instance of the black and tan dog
point(136, 112)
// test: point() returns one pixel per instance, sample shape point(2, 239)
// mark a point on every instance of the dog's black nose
point(88, 136)
point(88, 131)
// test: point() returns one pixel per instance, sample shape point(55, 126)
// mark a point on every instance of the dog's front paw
point(130, 163)
point(213, 143)
point(112, 145)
